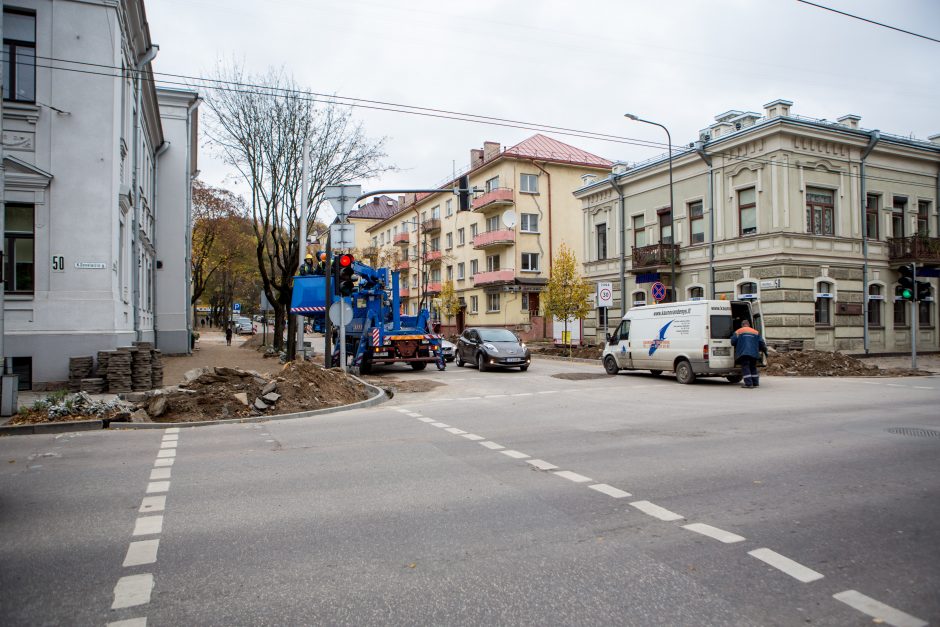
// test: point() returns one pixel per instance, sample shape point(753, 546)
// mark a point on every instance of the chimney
point(476, 157)
point(849, 121)
point(490, 150)
point(777, 108)
point(401, 201)
point(934, 139)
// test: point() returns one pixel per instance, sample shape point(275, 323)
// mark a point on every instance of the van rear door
point(720, 329)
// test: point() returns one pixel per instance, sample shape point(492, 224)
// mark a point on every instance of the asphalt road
point(499, 498)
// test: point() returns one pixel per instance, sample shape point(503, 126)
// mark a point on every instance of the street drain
point(914, 432)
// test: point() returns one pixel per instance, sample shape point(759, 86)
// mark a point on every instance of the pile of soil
point(823, 364)
point(581, 352)
point(39, 416)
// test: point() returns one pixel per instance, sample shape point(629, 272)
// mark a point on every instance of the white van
point(691, 338)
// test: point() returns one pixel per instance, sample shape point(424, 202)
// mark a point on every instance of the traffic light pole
point(914, 318)
point(328, 300)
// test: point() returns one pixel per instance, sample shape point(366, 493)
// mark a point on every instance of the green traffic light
point(907, 294)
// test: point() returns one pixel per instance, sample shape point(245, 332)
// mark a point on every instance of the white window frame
point(527, 182)
point(635, 301)
point(491, 299)
point(460, 271)
point(525, 222)
point(474, 304)
point(522, 262)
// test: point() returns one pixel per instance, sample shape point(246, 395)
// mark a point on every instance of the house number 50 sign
point(58, 263)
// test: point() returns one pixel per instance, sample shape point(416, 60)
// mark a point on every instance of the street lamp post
point(672, 228)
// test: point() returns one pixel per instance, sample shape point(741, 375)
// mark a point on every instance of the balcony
point(919, 249)
point(433, 256)
point(433, 287)
point(404, 292)
point(497, 276)
point(370, 251)
point(499, 237)
point(404, 265)
point(401, 238)
point(430, 226)
point(648, 258)
point(499, 197)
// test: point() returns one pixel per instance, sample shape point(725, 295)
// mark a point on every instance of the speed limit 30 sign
point(605, 294)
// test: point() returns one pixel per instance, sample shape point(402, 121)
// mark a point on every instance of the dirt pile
point(581, 352)
point(823, 364)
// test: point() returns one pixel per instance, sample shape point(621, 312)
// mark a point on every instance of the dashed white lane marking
point(541, 464)
point(170, 452)
point(786, 565)
point(549, 392)
point(878, 610)
point(164, 462)
point(171, 437)
point(403, 410)
point(514, 454)
point(572, 476)
point(425, 419)
point(455, 430)
point(468, 398)
point(922, 387)
point(895, 385)
point(473, 436)
point(173, 430)
point(714, 532)
point(609, 490)
point(413, 414)
point(153, 504)
point(148, 525)
point(495, 395)
point(132, 590)
point(160, 473)
point(171, 444)
point(523, 394)
point(493, 446)
point(130, 622)
point(656, 511)
point(141, 552)
point(157, 486)
point(440, 425)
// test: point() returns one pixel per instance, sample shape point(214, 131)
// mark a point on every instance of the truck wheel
point(684, 372)
point(419, 365)
point(610, 365)
point(656, 373)
point(481, 362)
point(734, 378)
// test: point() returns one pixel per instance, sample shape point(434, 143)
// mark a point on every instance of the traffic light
point(921, 290)
point(906, 282)
point(345, 275)
point(463, 193)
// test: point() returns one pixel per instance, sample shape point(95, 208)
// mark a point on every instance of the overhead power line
point(864, 19)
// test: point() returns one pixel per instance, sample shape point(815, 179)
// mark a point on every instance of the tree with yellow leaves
point(566, 297)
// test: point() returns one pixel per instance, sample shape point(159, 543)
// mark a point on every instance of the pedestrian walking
point(228, 335)
point(748, 346)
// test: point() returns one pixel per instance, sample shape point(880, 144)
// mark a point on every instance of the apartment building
point(809, 218)
point(96, 180)
point(498, 255)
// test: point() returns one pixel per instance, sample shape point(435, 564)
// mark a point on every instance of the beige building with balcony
point(499, 253)
point(810, 218)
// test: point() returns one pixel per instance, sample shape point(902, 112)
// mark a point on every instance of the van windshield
point(721, 327)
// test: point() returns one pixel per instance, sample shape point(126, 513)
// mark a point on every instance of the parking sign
point(237, 307)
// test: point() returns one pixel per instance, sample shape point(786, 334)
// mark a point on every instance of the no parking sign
point(659, 291)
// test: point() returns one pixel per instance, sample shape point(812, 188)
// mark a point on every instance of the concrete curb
point(52, 427)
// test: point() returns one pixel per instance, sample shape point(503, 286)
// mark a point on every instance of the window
point(492, 184)
point(19, 271)
point(450, 273)
point(747, 288)
point(820, 210)
point(460, 271)
point(375, 241)
point(923, 210)
point(492, 223)
point(872, 205)
point(436, 213)
point(875, 300)
point(525, 301)
point(19, 55)
point(900, 310)
point(460, 237)
point(394, 231)
point(435, 244)
point(404, 226)
point(473, 230)
point(923, 314)
point(696, 292)
point(639, 298)
point(492, 303)
point(665, 226)
point(747, 211)
point(23, 368)
point(474, 304)
point(639, 232)
point(414, 281)
point(382, 238)
point(424, 217)
point(529, 184)
point(450, 241)
point(601, 239)
point(823, 304)
point(474, 267)
point(898, 209)
point(436, 275)
point(696, 222)
point(529, 223)
point(492, 263)
point(602, 317)
point(530, 262)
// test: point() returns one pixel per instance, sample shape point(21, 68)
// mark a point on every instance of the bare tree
point(260, 131)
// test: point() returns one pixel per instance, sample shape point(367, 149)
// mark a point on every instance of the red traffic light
point(345, 261)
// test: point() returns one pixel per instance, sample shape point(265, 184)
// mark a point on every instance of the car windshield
point(497, 335)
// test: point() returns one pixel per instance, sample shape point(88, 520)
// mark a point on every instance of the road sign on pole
point(343, 235)
point(342, 198)
point(605, 294)
point(659, 291)
point(237, 307)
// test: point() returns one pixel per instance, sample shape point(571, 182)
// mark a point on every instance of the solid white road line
point(439, 425)
point(157, 486)
point(132, 590)
point(425, 419)
point(514, 454)
point(455, 430)
point(523, 394)
point(148, 525)
point(170, 452)
point(786, 565)
point(172, 430)
point(572, 476)
point(541, 464)
point(141, 552)
point(493, 446)
point(171, 444)
point(164, 462)
point(153, 504)
point(549, 392)
point(473, 436)
point(656, 511)
point(714, 532)
point(609, 490)
point(878, 610)
point(495, 395)
point(130, 622)
point(160, 473)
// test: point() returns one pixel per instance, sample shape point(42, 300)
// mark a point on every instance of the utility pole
point(304, 188)
point(914, 318)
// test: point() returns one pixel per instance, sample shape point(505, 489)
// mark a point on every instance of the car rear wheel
point(419, 365)
point(610, 365)
point(481, 362)
point(684, 372)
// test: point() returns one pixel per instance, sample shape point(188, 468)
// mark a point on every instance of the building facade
point(97, 169)
point(809, 218)
point(498, 254)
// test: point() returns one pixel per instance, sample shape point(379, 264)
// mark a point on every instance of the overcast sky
point(580, 65)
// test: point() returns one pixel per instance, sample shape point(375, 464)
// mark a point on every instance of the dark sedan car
point(492, 348)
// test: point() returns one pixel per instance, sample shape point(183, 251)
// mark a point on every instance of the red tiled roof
point(380, 208)
point(541, 147)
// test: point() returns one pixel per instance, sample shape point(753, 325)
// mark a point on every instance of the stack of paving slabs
point(80, 368)
point(156, 369)
point(94, 385)
point(140, 369)
point(119, 371)
point(102, 370)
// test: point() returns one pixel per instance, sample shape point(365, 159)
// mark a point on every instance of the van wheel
point(733, 378)
point(656, 373)
point(684, 373)
point(610, 365)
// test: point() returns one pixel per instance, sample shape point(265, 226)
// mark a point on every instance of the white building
point(97, 169)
